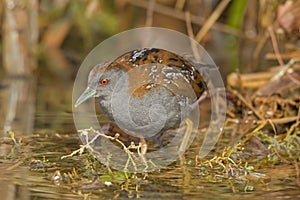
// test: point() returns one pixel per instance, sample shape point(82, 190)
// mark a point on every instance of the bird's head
point(101, 83)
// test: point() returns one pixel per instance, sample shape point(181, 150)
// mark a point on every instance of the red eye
point(104, 81)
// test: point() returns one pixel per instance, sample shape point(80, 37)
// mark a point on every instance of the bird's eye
point(104, 81)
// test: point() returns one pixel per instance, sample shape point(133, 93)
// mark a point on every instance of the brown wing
point(169, 64)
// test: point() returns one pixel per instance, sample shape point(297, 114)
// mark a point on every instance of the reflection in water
point(17, 100)
point(54, 104)
point(18, 103)
point(36, 103)
point(27, 106)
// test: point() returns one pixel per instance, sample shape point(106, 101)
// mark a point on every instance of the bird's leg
point(201, 98)
point(143, 151)
point(186, 137)
point(144, 146)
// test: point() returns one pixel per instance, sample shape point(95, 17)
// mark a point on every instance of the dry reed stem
point(211, 20)
point(275, 46)
point(178, 14)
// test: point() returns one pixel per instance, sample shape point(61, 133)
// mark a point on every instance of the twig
point(211, 20)
point(252, 133)
point(297, 173)
point(188, 24)
point(191, 35)
point(14, 165)
point(258, 128)
point(78, 151)
point(284, 69)
point(281, 120)
point(179, 4)
point(275, 46)
point(130, 154)
point(286, 56)
point(296, 124)
point(149, 19)
point(249, 105)
point(177, 14)
point(259, 47)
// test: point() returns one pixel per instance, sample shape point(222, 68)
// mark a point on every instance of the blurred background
point(254, 42)
point(43, 43)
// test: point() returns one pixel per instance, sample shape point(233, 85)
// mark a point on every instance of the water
point(39, 110)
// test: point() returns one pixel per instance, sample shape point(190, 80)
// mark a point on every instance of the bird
point(146, 91)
